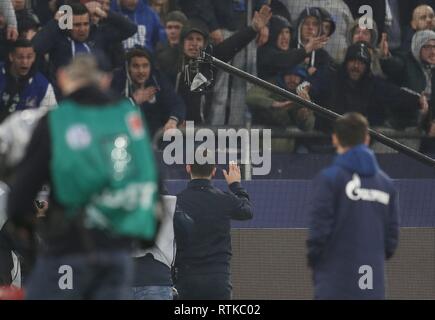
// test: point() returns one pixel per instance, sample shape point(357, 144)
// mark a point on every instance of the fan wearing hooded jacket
point(414, 70)
point(194, 38)
point(150, 31)
point(63, 45)
point(146, 87)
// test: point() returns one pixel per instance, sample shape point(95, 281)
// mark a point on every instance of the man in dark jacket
point(194, 38)
point(354, 219)
point(203, 261)
point(63, 45)
point(146, 87)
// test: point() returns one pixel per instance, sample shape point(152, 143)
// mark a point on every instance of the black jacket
point(172, 62)
point(208, 249)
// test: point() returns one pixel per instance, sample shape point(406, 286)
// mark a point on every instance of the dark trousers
point(216, 286)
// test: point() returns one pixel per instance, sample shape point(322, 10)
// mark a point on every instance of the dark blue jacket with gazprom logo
point(30, 96)
point(354, 227)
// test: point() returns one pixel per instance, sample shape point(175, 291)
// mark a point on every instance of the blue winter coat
point(150, 30)
point(354, 227)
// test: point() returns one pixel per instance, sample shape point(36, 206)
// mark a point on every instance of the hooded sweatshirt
point(371, 96)
point(354, 227)
point(31, 91)
point(270, 59)
point(149, 30)
point(409, 71)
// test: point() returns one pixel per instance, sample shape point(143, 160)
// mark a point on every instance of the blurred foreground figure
point(96, 155)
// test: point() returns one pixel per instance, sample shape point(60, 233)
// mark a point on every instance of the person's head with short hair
point(129, 4)
point(139, 65)
point(423, 18)
point(351, 130)
point(359, 33)
point(201, 171)
point(21, 57)
point(194, 36)
point(423, 47)
point(174, 22)
point(81, 22)
point(83, 70)
point(310, 24)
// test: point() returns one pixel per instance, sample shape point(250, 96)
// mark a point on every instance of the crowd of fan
point(316, 49)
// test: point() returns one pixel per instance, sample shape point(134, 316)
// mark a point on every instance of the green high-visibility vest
point(103, 165)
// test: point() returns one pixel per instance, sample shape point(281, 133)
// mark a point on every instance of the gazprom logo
point(355, 192)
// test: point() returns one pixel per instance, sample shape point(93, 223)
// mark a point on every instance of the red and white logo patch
point(135, 125)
